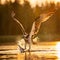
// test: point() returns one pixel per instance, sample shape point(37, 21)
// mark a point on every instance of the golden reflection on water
point(58, 50)
point(50, 50)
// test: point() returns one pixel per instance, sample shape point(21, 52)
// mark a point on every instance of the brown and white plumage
point(38, 21)
point(35, 26)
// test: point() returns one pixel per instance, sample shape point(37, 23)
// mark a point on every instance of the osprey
point(35, 26)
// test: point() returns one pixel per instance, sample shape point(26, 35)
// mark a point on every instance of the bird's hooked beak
point(45, 16)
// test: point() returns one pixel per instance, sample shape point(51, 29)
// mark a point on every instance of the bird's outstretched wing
point(22, 28)
point(37, 23)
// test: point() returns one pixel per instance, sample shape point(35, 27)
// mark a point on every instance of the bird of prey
point(35, 26)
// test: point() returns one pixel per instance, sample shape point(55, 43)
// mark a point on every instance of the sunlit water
point(48, 51)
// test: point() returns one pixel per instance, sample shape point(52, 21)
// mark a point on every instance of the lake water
point(40, 51)
point(45, 51)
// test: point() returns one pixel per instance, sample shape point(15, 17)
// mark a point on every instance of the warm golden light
point(3, 2)
point(58, 49)
point(21, 2)
point(8, 0)
point(32, 3)
point(40, 2)
point(12, 1)
point(57, 0)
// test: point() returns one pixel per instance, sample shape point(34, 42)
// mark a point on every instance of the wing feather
point(37, 23)
point(22, 28)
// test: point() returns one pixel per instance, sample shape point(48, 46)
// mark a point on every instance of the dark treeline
point(26, 15)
